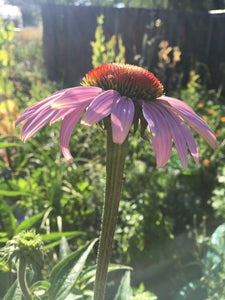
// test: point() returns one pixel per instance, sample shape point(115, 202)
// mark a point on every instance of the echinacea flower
point(128, 95)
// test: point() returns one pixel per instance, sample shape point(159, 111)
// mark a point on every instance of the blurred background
point(171, 222)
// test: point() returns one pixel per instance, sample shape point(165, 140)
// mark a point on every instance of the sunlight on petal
point(121, 119)
point(99, 108)
point(160, 134)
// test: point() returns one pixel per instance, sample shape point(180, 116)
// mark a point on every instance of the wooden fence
point(68, 31)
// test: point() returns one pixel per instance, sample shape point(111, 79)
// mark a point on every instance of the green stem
point(115, 159)
point(21, 274)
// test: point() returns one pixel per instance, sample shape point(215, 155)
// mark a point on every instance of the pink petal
point(49, 99)
point(76, 97)
point(67, 126)
point(121, 119)
point(200, 126)
point(160, 134)
point(34, 125)
point(37, 108)
point(100, 108)
point(176, 133)
point(188, 137)
point(61, 114)
point(25, 115)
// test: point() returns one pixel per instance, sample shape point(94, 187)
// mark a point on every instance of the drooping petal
point(76, 97)
point(186, 133)
point(160, 133)
point(178, 138)
point(24, 116)
point(200, 126)
point(31, 114)
point(61, 114)
point(121, 118)
point(35, 124)
point(37, 108)
point(49, 99)
point(67, 126)
point(188, 137)
point(100, 108)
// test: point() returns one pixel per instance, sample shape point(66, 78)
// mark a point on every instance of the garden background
point(167, 216)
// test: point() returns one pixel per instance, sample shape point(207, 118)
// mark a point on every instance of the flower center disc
point(129, 80)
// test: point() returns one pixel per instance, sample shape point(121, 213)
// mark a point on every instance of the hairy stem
point(115, 159)
point(21, 274)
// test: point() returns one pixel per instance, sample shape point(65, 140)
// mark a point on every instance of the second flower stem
point(115, 159)
point(22, 279)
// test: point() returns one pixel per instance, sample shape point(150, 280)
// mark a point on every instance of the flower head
point(26, 245)
point(128, 95)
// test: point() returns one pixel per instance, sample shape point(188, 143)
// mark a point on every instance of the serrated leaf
point(124, 292)
point(65, 274)
point(27, 224)
point(14, 292)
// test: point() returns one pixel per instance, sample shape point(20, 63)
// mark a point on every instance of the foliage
point(68, 278)
point(39, 189)
point(105, 52)
point(218, 200)
point(211, 255)
point(6, 60)
point(141, 294)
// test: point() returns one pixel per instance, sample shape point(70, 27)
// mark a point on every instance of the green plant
point(105, 52)
point(211, 285)
point(218, 200)
point(6, 57)
point(67, 278)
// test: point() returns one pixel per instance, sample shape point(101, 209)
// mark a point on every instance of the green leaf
point(74, 297)
point(64, 249)
point(14, 292)
point(6, 145)
point(4, 266)
point(216, 249)
point(4, 57)
point(124, 292)
point(90, 274)
point(12, 193)
point(27, 224)
point(52, 245)
point(8, 221)
point(58, 235)
point(40, 287)
point(69, 235)
point(65, 274)
point(3, 237)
